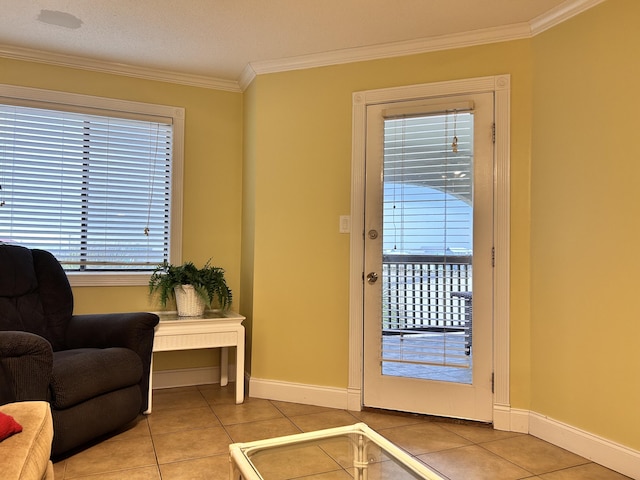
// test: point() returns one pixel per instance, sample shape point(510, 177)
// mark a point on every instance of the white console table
point(214, 329)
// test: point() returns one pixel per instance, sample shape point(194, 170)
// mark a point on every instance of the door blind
point(428, 184)
point(427, 239)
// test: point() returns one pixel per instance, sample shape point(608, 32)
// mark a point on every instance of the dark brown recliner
point(92, 369)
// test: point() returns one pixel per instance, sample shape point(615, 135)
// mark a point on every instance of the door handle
point(372, 277)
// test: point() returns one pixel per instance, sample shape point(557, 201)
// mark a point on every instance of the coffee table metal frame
point(243, 468)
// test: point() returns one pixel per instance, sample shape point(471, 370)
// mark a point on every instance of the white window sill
point(97, 279)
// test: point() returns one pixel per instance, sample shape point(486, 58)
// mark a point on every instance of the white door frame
point(501, 86)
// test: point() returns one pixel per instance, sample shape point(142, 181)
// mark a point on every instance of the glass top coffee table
point(352, 452)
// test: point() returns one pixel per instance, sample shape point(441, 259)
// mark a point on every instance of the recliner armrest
point(26, 363)
point(128, 330)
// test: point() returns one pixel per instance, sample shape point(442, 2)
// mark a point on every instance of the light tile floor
point(188, 433)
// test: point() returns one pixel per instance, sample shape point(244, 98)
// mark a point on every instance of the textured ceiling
point(218, 38)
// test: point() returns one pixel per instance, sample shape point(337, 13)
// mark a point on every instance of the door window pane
point(428, 246)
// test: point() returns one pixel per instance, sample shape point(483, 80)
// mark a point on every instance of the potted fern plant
point(194, 289)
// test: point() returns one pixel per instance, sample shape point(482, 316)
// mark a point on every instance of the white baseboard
point(592, 447)
point(502, 417)
point(354, 399)
point(518, 420)
point(185, 377)
point(597, 449)
point(299, 393)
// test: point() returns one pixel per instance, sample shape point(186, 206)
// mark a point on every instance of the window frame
point(55, 100)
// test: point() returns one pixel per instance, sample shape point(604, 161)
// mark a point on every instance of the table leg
point(234, 474)
point(224, 366)
point(240, 366)
point(148, 410)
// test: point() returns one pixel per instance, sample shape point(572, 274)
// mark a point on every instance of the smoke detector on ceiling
point(61, 19)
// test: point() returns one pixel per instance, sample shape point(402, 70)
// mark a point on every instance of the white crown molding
point(30, 55)
point(553, 17)
point(561, 13)
point(246, 77)
point(411, 47)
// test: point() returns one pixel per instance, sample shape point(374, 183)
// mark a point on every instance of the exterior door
point(428, 256)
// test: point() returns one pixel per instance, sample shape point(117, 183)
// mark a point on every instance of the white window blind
point(428, 240)
point(428, 183)
point(95, 190)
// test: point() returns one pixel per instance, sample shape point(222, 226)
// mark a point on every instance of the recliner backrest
point(35, 295)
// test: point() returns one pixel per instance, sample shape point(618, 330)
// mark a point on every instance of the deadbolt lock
point(373, 234)
point(372, 277)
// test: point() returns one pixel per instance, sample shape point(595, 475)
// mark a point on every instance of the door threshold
point(429, 418)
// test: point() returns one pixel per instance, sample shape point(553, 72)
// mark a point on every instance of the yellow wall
point(303, 166)
point(212, 172)
point(248, 215)
point(573, 329)
point(585, 209)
